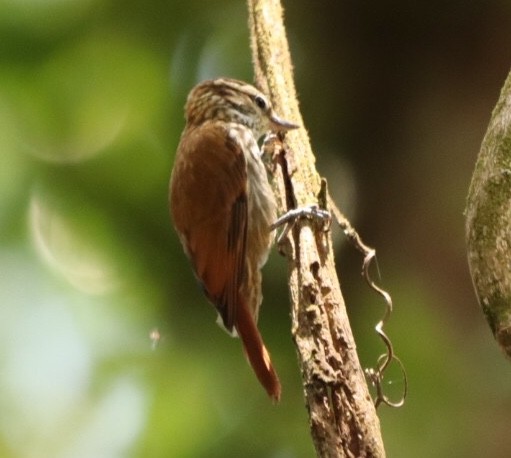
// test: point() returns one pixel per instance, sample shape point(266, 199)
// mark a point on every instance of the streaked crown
point(230, 100)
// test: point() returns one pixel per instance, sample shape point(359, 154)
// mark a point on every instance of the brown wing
point(208, 201)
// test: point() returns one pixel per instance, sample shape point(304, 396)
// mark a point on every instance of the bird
point(222, 206)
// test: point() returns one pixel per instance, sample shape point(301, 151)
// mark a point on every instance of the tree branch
point(488, 222)
point(342, 415)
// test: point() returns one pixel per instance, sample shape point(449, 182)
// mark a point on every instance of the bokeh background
point(107, 346)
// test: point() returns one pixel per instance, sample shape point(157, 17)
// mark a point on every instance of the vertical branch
point(342, 415)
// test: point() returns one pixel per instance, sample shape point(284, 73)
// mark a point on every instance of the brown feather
point(256, 352)
point(209, 207)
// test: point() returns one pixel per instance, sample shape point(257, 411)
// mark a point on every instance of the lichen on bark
point(488, 222)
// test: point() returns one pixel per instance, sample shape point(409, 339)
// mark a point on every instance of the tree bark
point(488, 222)
point(342, 415)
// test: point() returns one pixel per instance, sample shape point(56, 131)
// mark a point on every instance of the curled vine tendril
point(374, 374)
point(319, 212)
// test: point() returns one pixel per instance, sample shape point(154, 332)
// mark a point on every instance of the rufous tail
point(256, 352)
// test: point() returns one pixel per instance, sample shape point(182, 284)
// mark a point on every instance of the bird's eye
point(260, 102)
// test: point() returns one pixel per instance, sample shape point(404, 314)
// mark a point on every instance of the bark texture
point(342, 415)
point(488, 222)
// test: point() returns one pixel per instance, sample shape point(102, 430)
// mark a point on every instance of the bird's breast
point(262, 208)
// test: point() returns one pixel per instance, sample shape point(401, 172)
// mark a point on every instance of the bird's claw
point(312, 212)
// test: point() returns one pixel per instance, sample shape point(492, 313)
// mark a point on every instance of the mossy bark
point(488, 222)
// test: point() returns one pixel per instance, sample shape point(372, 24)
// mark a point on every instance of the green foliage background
point(396, 95)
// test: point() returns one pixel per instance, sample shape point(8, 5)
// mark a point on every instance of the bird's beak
point(278, 124)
